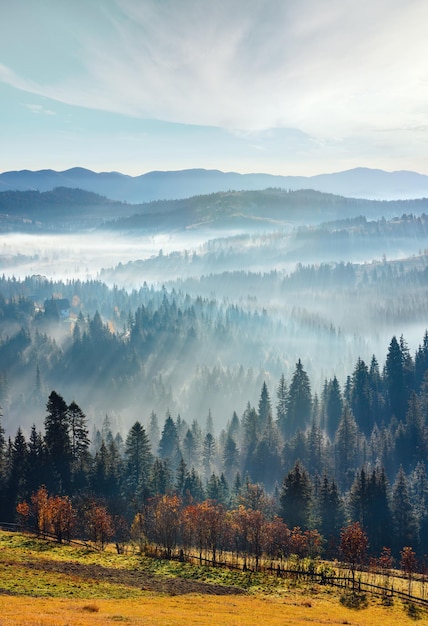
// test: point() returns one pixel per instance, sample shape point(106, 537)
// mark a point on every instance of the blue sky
point(280, 86)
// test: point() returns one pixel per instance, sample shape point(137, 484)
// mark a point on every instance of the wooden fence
point(247, 565)
point(320, 577)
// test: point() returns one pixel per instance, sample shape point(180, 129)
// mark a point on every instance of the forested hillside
point(279, 374)
point(65, 210)
point(353, 453)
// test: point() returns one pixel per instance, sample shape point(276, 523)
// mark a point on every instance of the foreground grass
point(45, 584)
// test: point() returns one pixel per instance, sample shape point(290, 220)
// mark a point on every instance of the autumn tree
point(353, 546)
point(100, 524)
point(165, 527)
point(139, 531)
point(249, 525)
point(276, 538)
point(40, 511)
point(62, 517)
point(408, 564)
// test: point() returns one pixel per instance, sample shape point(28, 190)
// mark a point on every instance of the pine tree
point(139, 460)
point(377, 399)
point(412, 440)
point(421, 362)
point(315, 450)
point(169, 443)
point(36, 461)
point(161, 477)
point(330, 513)
point(79, 441)
point(299, 402)
point(281, 406)
point(234, 428)
point(251, 432)
point(265, 409)
point(404, 518)
point(395, 381)
point(193, 487)
point(267, 459)
point(58, 444)
point(346, 448)
point(360, 398)
point(369, 505)
point(188, 448)
point(208, 454)
point(153, 431)
point(180, 478)
point(213, 489)
point(17, 487)
point(209, 426)
point(333, 407)
point(419, 493)
point(295, 498)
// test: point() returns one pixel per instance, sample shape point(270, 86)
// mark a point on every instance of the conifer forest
point(270, 384)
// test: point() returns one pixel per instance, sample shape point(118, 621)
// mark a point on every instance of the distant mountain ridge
point(170, 185)
point(68, 209)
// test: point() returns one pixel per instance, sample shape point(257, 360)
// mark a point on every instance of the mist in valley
point(193, 322)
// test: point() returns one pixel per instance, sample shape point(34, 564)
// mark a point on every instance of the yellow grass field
point(46, 584)
point(200, 610)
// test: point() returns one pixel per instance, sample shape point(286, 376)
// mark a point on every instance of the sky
point(292, 87)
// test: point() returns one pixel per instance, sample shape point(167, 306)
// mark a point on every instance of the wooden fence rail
point(319, 577)
point(276, 570)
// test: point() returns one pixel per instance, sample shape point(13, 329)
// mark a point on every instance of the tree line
point(353, 454)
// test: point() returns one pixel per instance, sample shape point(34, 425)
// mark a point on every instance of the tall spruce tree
point(36, 460)
point(369, 505)
point(361, 398)
point(281, 405)
point(169, 443)
point(295, 498)
point(79, 442)
point(403, 514)
point(346, 448)
point(330, 513)
point(138, 460)
point(265, 408)
point(333, 407)
point(299, 402)
point(395, 381)
point(17, 485)
point(208, 454)
point(58, 444)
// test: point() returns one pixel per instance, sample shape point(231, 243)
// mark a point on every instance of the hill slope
point(75, 209)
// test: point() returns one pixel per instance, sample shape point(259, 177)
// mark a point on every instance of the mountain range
point(168, 185)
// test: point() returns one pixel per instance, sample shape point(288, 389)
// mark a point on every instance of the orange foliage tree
point(49, 514)
point(353, 545)
point(100, 524)
point(166, 520)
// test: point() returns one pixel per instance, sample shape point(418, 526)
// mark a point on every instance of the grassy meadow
point(46, 584)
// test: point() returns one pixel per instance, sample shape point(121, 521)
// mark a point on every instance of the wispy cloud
point(321, 67)
point(39, 109)
point(335, 73)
